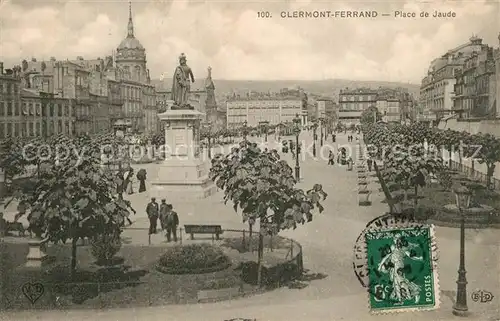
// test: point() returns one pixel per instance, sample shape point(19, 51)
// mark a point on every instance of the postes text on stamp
point(401, 269)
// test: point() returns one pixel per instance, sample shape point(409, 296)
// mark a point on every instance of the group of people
point(350, 138)
point(342, 158)
point(169, 220)
point(290, 145)
point(128, 176)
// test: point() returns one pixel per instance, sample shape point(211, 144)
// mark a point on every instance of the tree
point(411, 170)
point(486, 148)
point(370, 115)
point(263, 187)
point(75, 198)
point(12, 160)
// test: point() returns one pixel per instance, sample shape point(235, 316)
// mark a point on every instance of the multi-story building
point(390, 108)
point(475, 86)
point(46, 115)
point(497, 78)
point(327, 110)
point(437, 88)
point(352, 103)
point(97, 87)
point(10, 102)
point(274, 109)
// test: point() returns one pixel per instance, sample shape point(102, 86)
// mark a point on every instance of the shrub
point(105, 246)
point(229, 281)
point(193, 259)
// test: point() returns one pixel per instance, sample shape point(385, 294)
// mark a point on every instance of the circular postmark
point(386, 221)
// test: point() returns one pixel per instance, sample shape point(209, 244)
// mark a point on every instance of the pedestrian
point(172, 221)
point(334, 138)
point(350, 163)
point(152, 212)
point(369, 162)
point(141, 177)
point(128, 176)
point(331, 158)
point(163, 214)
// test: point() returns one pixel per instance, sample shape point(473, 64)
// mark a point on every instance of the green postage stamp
point(402, 269)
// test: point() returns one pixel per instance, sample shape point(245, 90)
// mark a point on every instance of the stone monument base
point(183, 179)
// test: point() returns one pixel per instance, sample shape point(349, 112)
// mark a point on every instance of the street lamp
point(462, 196)
point(322, 122)
point(296, 130)
point(315, 137)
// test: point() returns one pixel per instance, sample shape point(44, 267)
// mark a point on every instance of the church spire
point(209, 84)
point(130, 22)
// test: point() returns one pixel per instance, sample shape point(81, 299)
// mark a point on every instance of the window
point(38, 129)
point(9, 129)
point(9, 108)
point(24, 131)
point(51, 106)
point(66, 110)
point(31, 129)
point(17, 108)
point(59, 126)
point(59, 110)
point(2, 108)
point(2, 130)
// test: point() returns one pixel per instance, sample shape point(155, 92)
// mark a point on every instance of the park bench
point(203, 229)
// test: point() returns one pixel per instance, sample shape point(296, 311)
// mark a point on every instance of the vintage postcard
point(249, 160)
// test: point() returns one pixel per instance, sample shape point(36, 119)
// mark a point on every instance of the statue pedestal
point(184, 172)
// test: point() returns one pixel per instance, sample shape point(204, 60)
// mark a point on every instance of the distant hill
point(328, 88)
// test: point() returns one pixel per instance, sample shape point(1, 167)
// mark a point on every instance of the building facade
point(272, 108)
point(497, 78)
point(352, 103)
point(475, 86)
point(437, 87)
point(10, 102)
point(101, 92)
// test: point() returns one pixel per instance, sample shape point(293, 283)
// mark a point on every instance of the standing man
point(163, 214)
point(152, 211)
point(369, 162)
point(172, 221)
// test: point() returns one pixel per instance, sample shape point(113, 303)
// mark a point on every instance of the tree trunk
point(260, 256)
point(250, 232)
point(73, 257)
point(489, 173)
point(415, 200)
point(209, 148)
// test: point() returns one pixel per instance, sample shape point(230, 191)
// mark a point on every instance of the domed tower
point(131, 55)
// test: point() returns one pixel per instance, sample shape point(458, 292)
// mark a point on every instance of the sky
point(231, 38)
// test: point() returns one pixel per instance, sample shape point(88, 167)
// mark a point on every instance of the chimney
point(33, 59)
point(1, 68)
